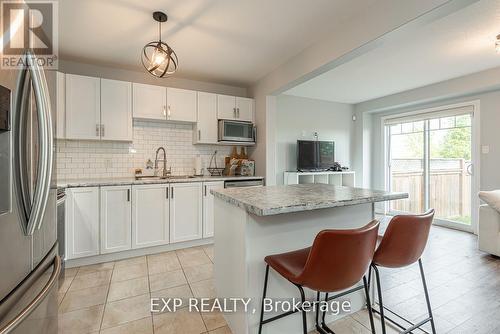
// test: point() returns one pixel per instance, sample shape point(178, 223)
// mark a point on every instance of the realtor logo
point(29, 25)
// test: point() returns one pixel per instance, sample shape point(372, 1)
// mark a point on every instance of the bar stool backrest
point(404, 240)
point(339, 258)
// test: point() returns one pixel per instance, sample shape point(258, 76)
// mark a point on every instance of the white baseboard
point(84, 261)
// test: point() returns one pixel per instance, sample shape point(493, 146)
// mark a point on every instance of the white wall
point(331, 49)
point(299, 118)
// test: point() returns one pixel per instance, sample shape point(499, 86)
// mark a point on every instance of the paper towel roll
point(197, 165)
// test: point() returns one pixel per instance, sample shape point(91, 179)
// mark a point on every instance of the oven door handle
point(12, 324)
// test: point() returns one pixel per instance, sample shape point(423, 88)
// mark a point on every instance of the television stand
point(346, 178)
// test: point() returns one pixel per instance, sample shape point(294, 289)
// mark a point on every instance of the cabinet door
point(226, 107)
point(82, 222)
point(244, 109)
point(83, 107)
point(150, 215)
point(185, 212)
point(149, 102)
point(208, 207)
point(206, 126)
point(116, 110)
point(60, 105)
point(116, 223)
point(181, 105)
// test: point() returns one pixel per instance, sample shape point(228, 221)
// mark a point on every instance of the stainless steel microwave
point(236, 131)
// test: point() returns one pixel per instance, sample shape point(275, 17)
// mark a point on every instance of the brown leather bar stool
point(403, 243)
point(337, 260)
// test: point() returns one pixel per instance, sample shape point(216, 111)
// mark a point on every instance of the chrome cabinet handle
point(168, 112)
point(234, 112)
point(166, 192)
point(205, 191)
point(97, 130)
point(128, 195)
point(33, 207)
point(102, 130)
point(199, 134)
point(172, 195)
point(165, 111)
point(11, 325)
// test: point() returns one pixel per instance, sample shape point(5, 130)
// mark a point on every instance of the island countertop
point(273, 200)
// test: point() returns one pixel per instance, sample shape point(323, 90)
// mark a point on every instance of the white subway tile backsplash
point(94, 159)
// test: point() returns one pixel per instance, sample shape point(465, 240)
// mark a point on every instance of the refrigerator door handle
point(16, 321)
point(34, 213)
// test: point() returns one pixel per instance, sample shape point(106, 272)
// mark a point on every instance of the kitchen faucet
point(166, 172)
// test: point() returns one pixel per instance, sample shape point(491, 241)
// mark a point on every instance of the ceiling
point(225, 41)
point(455, 45)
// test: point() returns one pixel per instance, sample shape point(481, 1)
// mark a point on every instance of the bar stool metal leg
point(303, 299)
point(424, 283)
point(263, 297)
point(318, 300)
point(369, 304)
point(380, 302)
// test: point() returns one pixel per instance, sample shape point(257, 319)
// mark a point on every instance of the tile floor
point(115, 297)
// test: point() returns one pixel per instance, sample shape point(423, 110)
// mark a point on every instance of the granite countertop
point(75, 183)
point(272, 200)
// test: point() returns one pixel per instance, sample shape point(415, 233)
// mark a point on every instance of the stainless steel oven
point(236, 131)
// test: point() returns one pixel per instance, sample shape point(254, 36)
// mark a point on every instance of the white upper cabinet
point(181, 105)
point(245, 109)
point(116, 223)
point(185, 212)
point(83, 107)
point(206, 124)
point(150, 102)
point(235, 108)
point(116, 110)
point(226, 107)
point(150, 215)
point(60, 105)
point(208, 207)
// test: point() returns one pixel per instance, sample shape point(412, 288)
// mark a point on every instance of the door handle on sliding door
point(33, 205)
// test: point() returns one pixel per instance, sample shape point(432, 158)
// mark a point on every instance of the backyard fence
point(449, 187)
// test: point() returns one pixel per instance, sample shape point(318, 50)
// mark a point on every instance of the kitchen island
point(252, 223)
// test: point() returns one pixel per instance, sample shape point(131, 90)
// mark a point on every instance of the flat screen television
point(315, 155)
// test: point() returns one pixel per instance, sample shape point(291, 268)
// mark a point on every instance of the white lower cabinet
point(116, 222)
point(82, 222)
point(185, 211)
point(108, 219)
point(150, 215)
point(208, 207)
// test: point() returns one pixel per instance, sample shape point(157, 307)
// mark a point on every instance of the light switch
point(485, 149)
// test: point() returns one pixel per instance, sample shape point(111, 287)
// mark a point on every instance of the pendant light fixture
point(157, 57)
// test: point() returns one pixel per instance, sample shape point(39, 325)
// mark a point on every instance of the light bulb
point(158, 57)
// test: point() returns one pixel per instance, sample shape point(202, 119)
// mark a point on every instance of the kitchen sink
point(181, 177)
point(172, 177)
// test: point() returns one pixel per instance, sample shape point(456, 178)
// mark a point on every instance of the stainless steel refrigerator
point(29, 264)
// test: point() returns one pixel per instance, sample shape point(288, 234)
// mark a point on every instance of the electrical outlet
point(485, 149)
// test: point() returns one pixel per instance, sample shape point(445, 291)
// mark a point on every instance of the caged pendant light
point(157, 57)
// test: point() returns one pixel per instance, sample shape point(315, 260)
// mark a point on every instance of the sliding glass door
point(429, 156)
